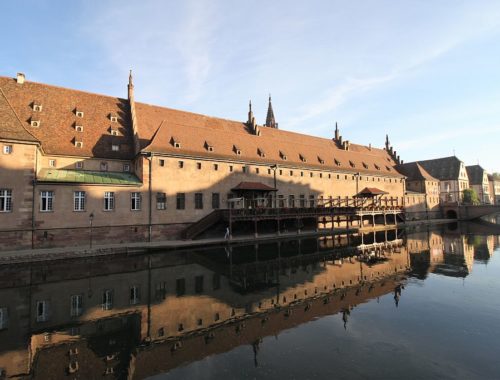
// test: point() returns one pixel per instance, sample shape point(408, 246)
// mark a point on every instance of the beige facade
point(162, 176)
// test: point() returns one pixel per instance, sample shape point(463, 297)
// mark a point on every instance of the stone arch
point(451, 214)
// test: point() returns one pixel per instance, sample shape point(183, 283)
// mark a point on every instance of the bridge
point(453, 210)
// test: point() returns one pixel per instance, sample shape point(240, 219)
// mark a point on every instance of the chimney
point(20, 78)
point(370, 146)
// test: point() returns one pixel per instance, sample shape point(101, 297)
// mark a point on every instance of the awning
point(370, 192)
point(87, 177)
point(253, 186)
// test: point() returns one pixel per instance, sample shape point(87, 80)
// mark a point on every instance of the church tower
point(270, 121)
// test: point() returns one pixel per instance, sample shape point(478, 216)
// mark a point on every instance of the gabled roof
point(446, 168)
point(475, 174)
point(58, 119)
point(11, 127)
point(371, 192)
point(194, 129)
point(415, 172)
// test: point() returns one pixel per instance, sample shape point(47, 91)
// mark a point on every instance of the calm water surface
point(417, 305)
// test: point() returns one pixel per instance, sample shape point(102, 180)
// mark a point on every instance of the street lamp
point(91, 218)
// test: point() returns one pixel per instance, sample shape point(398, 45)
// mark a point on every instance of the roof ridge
point(66, 88)
point(17, 116)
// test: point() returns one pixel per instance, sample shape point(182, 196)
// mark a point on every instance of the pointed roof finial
point(337, 133)
point(250, 106)
point(387, 143)
point(130, 78)
point(270, 121)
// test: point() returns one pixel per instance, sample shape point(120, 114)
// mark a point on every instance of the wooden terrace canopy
point(370, 192)
point(253, 186)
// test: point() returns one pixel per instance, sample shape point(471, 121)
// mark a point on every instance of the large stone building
point(478, 181)
point(494, 187)
point(138, 172)
point(452, 176)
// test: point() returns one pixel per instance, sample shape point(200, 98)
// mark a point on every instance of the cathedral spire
point(270, 121)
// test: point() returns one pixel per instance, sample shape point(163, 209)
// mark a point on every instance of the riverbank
point(42, 254)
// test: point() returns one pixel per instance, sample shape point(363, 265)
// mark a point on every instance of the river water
point(406, 304)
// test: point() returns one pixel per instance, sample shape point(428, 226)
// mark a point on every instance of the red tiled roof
point(10, 126)
point(58, 119)
point(371, 191)
point(253, 186)
point(157, 125)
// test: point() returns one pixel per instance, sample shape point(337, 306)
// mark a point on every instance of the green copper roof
point(88, 177)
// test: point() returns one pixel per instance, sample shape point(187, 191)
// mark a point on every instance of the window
point(376, 166)
point(161, 291)
point(126, 167)
point(104, 166)
point(337, 162)
point(76, 302)
point(115, 147)
point(4, 318)
point(79, 113)
point(236, 150)
point(198, 284)
point(113, 118)
point(311, 200)
point(46, 200)
point(42, 311)
point(79, 201)
point(198, 165)
point(134, 295)
point(365, 165)
point(302, 200)
point(283, 155)
point(352, 164)
point(291, 200)
point(79, 128)
point(5, 200)
point(209, 146)
point(175, 142)
point(181, 201)
point(215, 200)
point(261, 152)
point(281, 201)
point(113, 132)
point(161, 201)
point(161, 162)
point(230, 168)
point(180, 287)
point(37, 107)
point(52, 163)
point(291, 173)
point(311, 174)
point(321, 161)
point(7, 149)
point(198, 201)
point(135, 201)
point(107, 299)
point(109, 201)
point(35, 123)
point(79, 165)
point(216, 167)
point(257, 170)
point(180, 164)
point(302, 158)
point(244, 169)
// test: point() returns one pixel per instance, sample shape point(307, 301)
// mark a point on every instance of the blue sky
point(425, 72)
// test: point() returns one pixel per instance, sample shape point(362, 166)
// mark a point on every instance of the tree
point(470, 197)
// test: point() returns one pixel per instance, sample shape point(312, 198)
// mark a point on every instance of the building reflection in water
point(135, 316)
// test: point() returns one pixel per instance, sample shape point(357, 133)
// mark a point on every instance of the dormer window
point(52, 163)
point(365, 165)
point(321, 161)
point(35, 123)
point(115, 147)
point(78, 113)
point(78, 144)
point(209, 146)
point(104, 166)
point(37, 107)
point(337, 162)
point(113, 132)
point(353, 165)
point(376, 166)
point(302, 158)
point(175, 142)
point(79, 165)
point(236, 150)
point(261, 152)
point(113, 118)
point(79, 128)
point(388, 168)
point(283, 155)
